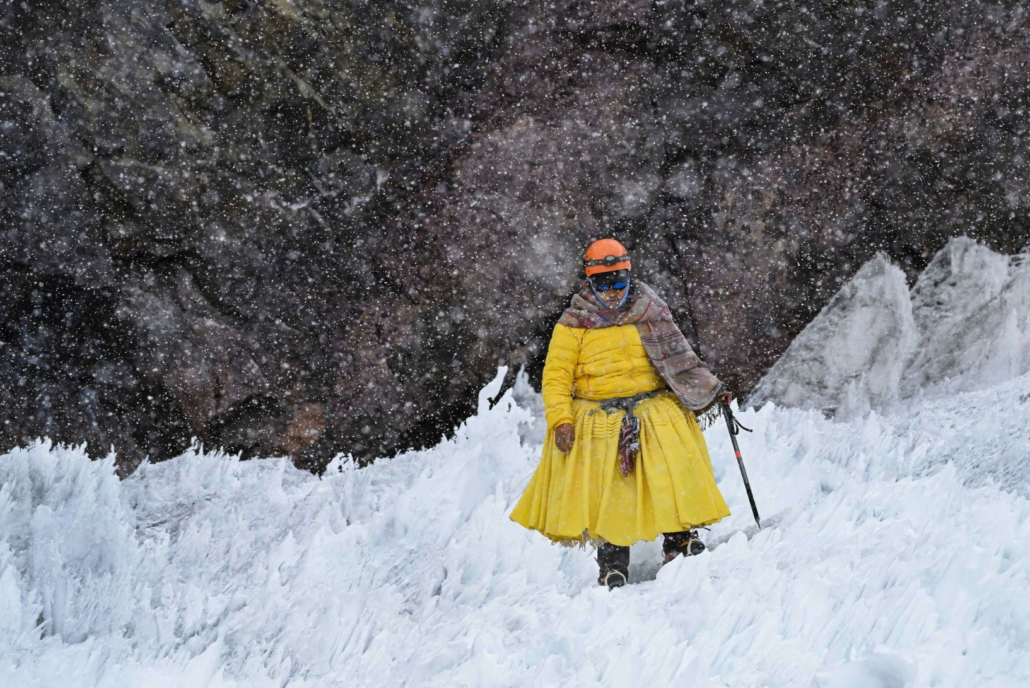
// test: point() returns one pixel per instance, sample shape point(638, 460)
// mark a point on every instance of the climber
point(624, 459)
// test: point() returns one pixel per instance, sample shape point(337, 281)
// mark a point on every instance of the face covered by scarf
point(670, 353)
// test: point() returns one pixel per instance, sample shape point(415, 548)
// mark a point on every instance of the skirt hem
point(585, 539)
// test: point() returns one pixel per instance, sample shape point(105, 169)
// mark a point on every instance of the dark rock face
point(316, 226)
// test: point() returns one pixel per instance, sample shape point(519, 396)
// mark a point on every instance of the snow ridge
point(964, 326)
point(895, 554)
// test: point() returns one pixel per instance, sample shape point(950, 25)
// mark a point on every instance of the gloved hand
point(564, 436)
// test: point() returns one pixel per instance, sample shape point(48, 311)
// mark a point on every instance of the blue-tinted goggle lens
point(613, 285)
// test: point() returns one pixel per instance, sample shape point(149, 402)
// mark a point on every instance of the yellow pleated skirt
point(582, 496)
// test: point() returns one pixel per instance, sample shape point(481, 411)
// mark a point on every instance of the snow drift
point(895, 553)
point(965, 325)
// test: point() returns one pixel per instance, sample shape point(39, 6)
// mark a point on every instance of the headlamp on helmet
point(606, 255)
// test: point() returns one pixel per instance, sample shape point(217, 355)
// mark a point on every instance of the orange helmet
point(606, 255)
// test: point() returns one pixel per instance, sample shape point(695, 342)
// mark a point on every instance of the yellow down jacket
point(583, 495)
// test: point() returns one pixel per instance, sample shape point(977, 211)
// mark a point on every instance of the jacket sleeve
point(559, 374)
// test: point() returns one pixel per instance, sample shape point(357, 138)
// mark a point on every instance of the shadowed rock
point(317, 226)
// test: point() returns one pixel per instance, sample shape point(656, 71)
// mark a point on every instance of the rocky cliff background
point(318, 226)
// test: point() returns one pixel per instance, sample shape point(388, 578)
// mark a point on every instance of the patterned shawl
point(670, 353)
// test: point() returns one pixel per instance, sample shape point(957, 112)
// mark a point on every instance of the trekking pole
point(735, 427)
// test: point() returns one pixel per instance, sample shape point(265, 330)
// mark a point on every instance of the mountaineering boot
point(613, 562)
point(686, 543)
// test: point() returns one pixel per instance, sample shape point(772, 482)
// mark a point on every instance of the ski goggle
point(614, 285)
point(610, 280)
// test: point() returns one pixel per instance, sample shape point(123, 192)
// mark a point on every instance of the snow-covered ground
point(896, 553)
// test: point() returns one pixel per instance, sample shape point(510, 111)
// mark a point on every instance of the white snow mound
point(964, 326)
point(892, 556)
